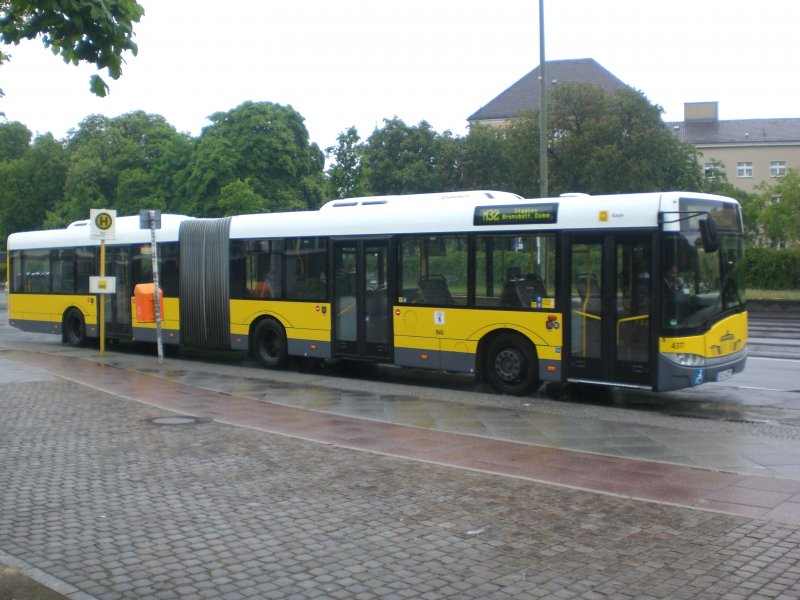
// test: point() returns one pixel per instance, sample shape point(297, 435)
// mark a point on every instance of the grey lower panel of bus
point(549, 375)
point(304, 348)
point(47, 327)
point(36, 326)
point(205, 283)
point(168, 336)
point(295, 347)
point(240, 342)
point(461, 362)
point(458, 362)
point(672, 376)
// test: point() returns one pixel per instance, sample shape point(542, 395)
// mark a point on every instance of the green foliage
point(238, 198)
point(403, 159)
point(92, 31)
point(127, 163)
point(778, 222)
point(501, 158)
point(14, 141)
point(30, 185)
point(256, 158)
point(263, 144)
point(346, 176)
point(212, 166)
point(607, 143)
point(772, 268)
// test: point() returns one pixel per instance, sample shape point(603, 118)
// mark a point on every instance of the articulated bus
point(635, 290)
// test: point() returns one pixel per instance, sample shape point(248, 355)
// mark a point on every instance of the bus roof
point(459, 212)
point(76, 234)
point(453, 212)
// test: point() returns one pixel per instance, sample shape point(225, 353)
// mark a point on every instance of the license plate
point(722, 375)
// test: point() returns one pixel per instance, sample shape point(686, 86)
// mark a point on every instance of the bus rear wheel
point(74, 328)
point(511, 365)
point(270, 347)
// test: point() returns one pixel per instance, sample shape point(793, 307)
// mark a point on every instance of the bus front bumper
point(673, 376)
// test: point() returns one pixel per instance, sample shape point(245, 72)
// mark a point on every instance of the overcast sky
point(356, 62)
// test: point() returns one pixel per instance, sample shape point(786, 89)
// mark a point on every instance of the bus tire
point(270, 347)
point(511, 366)
point(74, 328)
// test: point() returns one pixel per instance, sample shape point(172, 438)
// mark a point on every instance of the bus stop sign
point(101, 223)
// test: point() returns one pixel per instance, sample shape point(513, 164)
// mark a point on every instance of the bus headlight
point(685, 359)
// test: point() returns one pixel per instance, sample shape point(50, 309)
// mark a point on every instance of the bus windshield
point(699, 286)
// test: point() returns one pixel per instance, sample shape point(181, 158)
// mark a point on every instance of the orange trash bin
point(144, 296)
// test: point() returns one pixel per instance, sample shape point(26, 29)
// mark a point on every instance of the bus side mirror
point(708, 231)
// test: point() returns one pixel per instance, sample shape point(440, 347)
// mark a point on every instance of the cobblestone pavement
point(110, 505)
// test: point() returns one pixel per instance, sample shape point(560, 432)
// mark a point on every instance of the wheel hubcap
point(508, 365)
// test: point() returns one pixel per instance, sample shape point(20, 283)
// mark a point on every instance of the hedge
point(771, 268)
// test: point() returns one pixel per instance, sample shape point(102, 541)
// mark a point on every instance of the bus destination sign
point(516, 214)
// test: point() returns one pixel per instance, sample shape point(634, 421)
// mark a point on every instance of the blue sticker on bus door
point(699, 376)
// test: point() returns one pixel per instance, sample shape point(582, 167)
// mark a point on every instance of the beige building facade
point(752, 151)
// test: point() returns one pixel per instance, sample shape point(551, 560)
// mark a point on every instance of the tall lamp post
point(542, 109)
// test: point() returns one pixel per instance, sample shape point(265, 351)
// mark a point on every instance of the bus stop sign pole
point(102, 222)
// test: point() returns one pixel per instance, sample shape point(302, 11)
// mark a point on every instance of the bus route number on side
point(516, 214)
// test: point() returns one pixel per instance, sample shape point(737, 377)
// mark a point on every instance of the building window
point(777, 168)
point(744, 169)
point(709, 171)
point(775, 199)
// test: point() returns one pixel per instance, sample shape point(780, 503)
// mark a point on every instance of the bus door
point(118, 305)
point(610, 328)
point(361, 324)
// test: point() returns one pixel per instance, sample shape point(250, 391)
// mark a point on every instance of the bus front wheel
point(269, 344)
point(74, 328)
point(511, 365)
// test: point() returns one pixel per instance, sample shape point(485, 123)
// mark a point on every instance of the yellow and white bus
point(633, 290)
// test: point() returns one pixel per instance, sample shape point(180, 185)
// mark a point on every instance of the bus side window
point(433, 290)
point(410, 269)
point(87, 264)
point(515, 271)
point(306, 269)
point(169, 269)
point(63, 262)
point(36, 267)
point(17, 279)
point(255, 269)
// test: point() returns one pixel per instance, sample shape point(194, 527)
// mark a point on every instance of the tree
point(779, 217)
point(129, 162)
point(98, 32)
point(403, 159)
point(263, 144)
point(605, 143)
point(238, 198)
point(346, 176)
point(32, 184)
point(15, 139)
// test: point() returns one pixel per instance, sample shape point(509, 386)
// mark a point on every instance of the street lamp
point(542, 109)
